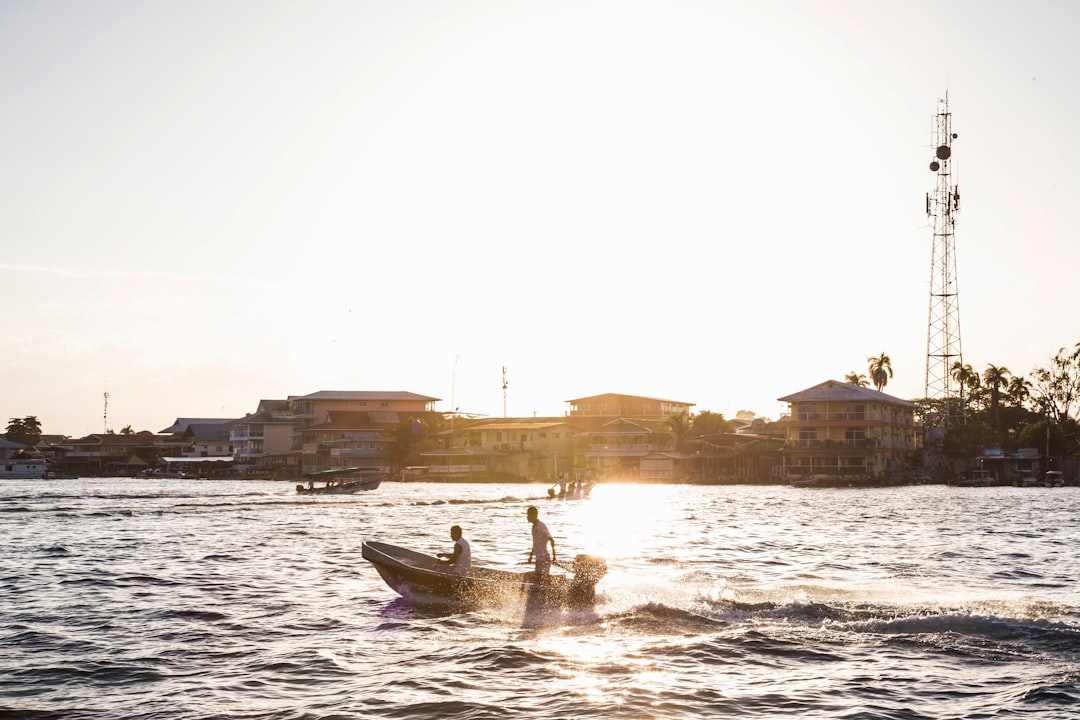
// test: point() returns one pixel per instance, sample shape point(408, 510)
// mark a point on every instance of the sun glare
point(624, 521)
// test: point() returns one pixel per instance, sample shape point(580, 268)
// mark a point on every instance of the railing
point(848, 416)
point(847, 443)
point(825, 469)
point(616, 447)
point(814, 443)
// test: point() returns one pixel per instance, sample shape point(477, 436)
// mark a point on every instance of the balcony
point(848, 416)
point(852, 444)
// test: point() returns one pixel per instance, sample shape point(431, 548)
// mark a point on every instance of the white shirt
point(463, 563)
point(540, 537)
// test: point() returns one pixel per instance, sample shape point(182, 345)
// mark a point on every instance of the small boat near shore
point(28, 469)
point(340, 481)
point(424, 580)
point(1053, 478)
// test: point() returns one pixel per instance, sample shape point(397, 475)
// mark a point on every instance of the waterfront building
point(844, 433)
point(510, 449)
point(312, 409)
point(616, 405)
point(262, 441)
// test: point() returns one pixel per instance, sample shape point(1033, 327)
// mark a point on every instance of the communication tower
point(943, 349)
point(505, 385)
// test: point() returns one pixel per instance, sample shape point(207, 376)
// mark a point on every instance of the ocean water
point(124, 598)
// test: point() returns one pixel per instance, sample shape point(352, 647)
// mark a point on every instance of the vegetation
point(880, 370)
point(679, 425)
point(856, 379)
point(1013, 411)
point(709, 423)
point(25, 430)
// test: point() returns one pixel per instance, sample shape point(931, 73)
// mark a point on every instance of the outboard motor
point(588, 570)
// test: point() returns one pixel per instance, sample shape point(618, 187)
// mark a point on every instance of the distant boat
point(1053, 478)
point(805, 481)
point(979, 478)
point(576, 491)
point(24, 469)
point(340, 481)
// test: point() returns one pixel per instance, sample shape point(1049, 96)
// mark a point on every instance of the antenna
point(505, 385)
point(105, 416)
point(943, 349)
point(453, 391)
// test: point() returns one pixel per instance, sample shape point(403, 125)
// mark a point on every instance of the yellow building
point(844, 433)
point(506, 449)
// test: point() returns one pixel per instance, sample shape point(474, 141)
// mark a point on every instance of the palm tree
point(966, 377)
point(856, 379)
point(1018, 390)
point(880, 370)
point(679, 425)
point(995, 377)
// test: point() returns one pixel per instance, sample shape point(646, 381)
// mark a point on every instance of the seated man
point(460, 560)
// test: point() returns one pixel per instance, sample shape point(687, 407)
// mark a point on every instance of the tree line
point(1002, 408)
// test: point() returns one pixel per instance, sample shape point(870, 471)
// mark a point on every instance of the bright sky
point(207, 203)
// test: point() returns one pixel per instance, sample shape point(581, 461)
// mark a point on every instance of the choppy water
point(204, 599)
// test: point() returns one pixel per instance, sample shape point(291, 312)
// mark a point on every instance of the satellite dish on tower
point(935, 166)
point(943, 152)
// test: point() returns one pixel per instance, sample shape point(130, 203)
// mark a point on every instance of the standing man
point(541, 538)
point(460, 560)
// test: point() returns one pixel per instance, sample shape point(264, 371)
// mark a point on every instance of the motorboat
point(425, 580)
point(574, 491)
point(339, 481)
point(1053, 478)
point(978, 478)
point(24, 469)
point(802, 481)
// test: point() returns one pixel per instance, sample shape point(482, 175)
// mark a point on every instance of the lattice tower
point(943, 349)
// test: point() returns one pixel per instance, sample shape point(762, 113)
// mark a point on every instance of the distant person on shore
point(541, 538)
point(460, 560)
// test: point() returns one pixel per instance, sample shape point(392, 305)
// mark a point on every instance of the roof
point(517, 424)
point(181, 424)
point(627, 395)
point(98, 439)
point(207, 432)
point(268, 413)
point(363, 395)
point(834, 390)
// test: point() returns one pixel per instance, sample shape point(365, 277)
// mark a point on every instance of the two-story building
point(629, 438)
point(631, 450)
point(838, 432)
point(313, 409)
point(506, 449)
point(100, 454)
point(262, 441)
point(613, 405)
